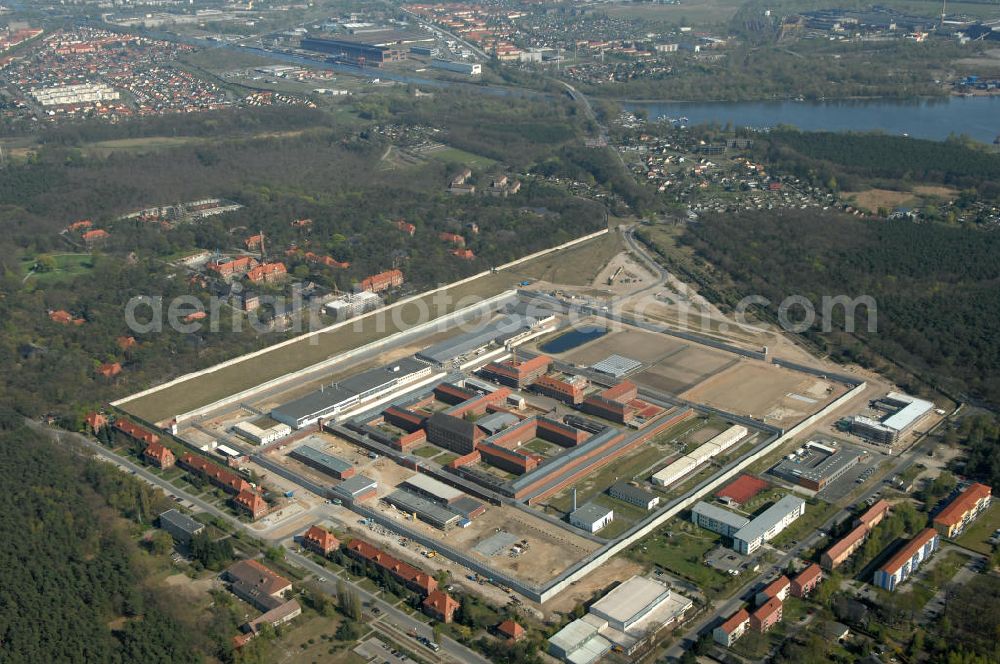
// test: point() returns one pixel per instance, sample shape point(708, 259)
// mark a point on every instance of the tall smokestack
point(574, 500)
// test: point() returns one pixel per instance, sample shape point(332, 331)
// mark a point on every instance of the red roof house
point(159, 455)
point(109, 369)
point(251, 502)
point(267, 273)
point(451, 238)
point(440, 606)
point(133, 430)
point(320, 540)
point(511, 630)
point(63, 317)
point(95, 421)
point(464, 254)
point(767, 616)
point(806, 580)
point(963, 509)
point(382, 281)
point(97, 235)
point(406, 227)
point(778, 588)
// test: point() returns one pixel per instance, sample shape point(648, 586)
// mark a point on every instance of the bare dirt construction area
point(191, 590)
point(766, 392)
point(550, 549)
point(873, 199)
point(688, 365)
point(616, 569)
point(630, 342)
point(623, 275)
point(386, 473)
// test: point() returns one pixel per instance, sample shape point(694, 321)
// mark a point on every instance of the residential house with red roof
point(766, 616)
point(267, 273)
point(95, 421)
point(136, 432)
point(382, 281)
point(109, 369)
point(844, 548)
point(406, 227)
point(806, 581)
point(960, 512)
point(251, 502)
point(732, 629)
point(410, 576)
point(452, 238)
point(229, 267)
point(81, 225)
point(159, 455)
point(778, 588)
point(874, 514)
point(464, 254)
point(225, 479)
point(254, 242)
point(95, 236)
point(63, 317)
point(510, 630)
point(320, 540)
point(126, 343)
point(440, 606)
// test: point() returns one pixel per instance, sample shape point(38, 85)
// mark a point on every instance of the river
point(932, 118)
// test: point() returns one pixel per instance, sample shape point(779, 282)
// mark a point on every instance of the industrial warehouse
point(366, 49)
point(815, 465)
point(902, 413)
point(624, 619)
point(332, 400)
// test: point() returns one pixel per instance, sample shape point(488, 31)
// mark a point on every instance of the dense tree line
point(934, 286)
point(871, 156)
point(813, 70)
point(72, 591)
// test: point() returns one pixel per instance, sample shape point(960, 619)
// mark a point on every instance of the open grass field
point(681, 550)
point(66, 267)
point(873, 199)
point(210, 387)
point(577, 266)
point(623, 470)
point(469, 159)
point(312, 640)
point(695, 14)
point(982, 529)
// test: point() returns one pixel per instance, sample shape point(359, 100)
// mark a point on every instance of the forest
point(850, 159)
point(934, 286)
point(775, 71)
point(327, 171)
point(76, 585)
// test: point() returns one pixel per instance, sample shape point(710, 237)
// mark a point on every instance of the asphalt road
point(390, 615)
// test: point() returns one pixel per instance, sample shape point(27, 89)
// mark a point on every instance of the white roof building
point(625, 617)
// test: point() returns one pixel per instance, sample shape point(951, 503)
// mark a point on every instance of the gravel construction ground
point(766, 392)
point(689, 366)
